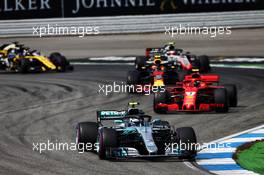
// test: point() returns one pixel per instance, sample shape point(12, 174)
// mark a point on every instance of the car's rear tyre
point(23, 66)
point(204, 64)
point(187, 137)
point(232, 94)
point(59, 61)
point(86, 133)
point(107, 140)
point(182, 74)
point(132, 80)
point(160, 97)
point(140, 62)
point(194, 61)
point(133, 77)
point(221, 99)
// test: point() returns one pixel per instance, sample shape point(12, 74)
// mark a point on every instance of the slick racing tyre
point(221, 98)
point(182, 74)
point(133, 77)
point(59, 61)
point(86, 134)
point(132, 81)
point(232, 94)
point(204, 64)
point(194, 61)
point(107, 140)
point(187, 137)
point(23, 65)
point(140, 62)
point(160, 97)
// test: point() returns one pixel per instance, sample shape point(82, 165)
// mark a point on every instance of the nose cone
point(151, 147)
point(158, 83)
point(146, 134)
point(190, 107)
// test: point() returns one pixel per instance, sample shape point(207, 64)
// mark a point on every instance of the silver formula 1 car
point(135, 135)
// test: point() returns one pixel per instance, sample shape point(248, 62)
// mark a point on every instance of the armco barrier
point(139, 24)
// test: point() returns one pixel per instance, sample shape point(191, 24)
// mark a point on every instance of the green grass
point(252, 158)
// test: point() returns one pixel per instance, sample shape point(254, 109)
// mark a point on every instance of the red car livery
point(197, 93)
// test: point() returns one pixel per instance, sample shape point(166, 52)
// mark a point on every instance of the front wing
point(128, 152)
point(176, 108)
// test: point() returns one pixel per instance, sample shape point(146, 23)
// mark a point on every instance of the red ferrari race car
point(197, 93)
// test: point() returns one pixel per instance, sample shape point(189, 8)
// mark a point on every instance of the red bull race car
point(157, 74)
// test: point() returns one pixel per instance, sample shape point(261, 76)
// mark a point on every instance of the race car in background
point(159, 74)
point(15, 57)
point(197, 93)
point(174, 56)
point(135, 135)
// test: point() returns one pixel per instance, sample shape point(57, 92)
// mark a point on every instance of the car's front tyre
point(23, 65)
point(232, 94)
point(160, 97)
point(221, 100)
point(188, 142)
point(61, 63)
point(86, 133)
point(107, 140)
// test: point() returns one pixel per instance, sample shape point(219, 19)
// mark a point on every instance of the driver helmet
point(12, 54)
point(25, 52)
point(132, 111)
point(170, 46)
point(197, 83)
point(134, 121)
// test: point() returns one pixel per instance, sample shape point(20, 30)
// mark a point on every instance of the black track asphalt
point(42, 107)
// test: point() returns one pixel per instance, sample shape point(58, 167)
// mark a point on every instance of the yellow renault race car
point(15, 57)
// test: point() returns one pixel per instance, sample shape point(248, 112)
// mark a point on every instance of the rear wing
point(152, 51)
point(212, 78)
point(110, 115)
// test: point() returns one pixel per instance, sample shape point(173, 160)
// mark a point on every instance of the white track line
point(238, 172)
point(216, 161)
point(226, 165)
